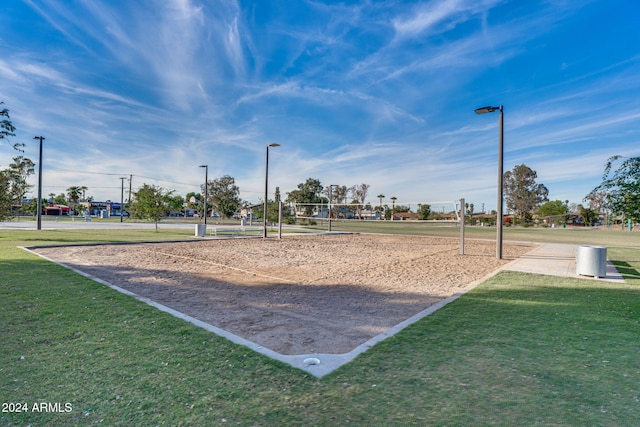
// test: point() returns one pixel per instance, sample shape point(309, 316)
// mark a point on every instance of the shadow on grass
point(521, 349)
point(626, 269)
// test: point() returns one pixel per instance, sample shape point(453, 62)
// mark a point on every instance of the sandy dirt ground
point(296, 295)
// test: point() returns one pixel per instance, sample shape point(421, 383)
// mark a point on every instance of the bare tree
point(337, 195)
point(359, 194)
point(597, 200)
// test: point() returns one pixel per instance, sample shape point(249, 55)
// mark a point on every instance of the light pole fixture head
point(273, 145)
point(203, 166)
point(38, 137)
point(488, 109)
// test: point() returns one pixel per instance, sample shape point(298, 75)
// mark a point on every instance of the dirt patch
point(297, 295)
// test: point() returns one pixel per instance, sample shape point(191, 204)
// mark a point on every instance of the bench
point(224, 231)
point(250, 231)
point(234, 231)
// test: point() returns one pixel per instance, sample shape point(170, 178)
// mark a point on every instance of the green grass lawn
point(519, 350)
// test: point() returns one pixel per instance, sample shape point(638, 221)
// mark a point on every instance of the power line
point(165, 180)
point(64, 186)
point(87, 172)
point(122, 174)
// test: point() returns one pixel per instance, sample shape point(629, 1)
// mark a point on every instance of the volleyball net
point(439, 212)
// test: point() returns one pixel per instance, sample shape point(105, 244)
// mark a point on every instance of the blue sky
point(371, 92)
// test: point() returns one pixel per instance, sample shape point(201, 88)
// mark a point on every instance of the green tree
point(60, 199)
point(194, 200)
point(278, 196)
point(273, 209)
point(587, 215)
point(19, 171)
point(6, 198)
point(521, 192)
point(73, 194)
point(151, 203)
point(224, 194)
point(6, 127)
point(13, 184)
point(424, 211)
point(469, 208)
point(176, 203)
point(621, 188)
point(308, 193)
point(554, 209)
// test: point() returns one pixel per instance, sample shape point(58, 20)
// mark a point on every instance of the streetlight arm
point(488, 109)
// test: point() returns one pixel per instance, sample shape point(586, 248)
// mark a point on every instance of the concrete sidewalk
point(557, 259)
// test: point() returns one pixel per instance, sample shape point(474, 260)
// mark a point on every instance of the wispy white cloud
point(54, 13)
point(234, 46)
point(373, 92)
point(438, 16)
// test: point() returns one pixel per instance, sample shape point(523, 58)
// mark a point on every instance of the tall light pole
point(266, 189)
point(39, 215)
point(206, 194)
point(122, 197)
point(484, 110)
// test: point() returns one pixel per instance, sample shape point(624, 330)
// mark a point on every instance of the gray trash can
point(201, 230)
point(591, 261)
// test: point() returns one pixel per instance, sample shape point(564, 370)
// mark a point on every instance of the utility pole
point(122, 197)
point(39, 216)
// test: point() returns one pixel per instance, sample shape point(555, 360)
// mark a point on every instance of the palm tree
point(73, 193)
point(380, 196)
point(393, 206)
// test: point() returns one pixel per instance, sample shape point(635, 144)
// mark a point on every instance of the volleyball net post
point(462, 209)
point(280, 205)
